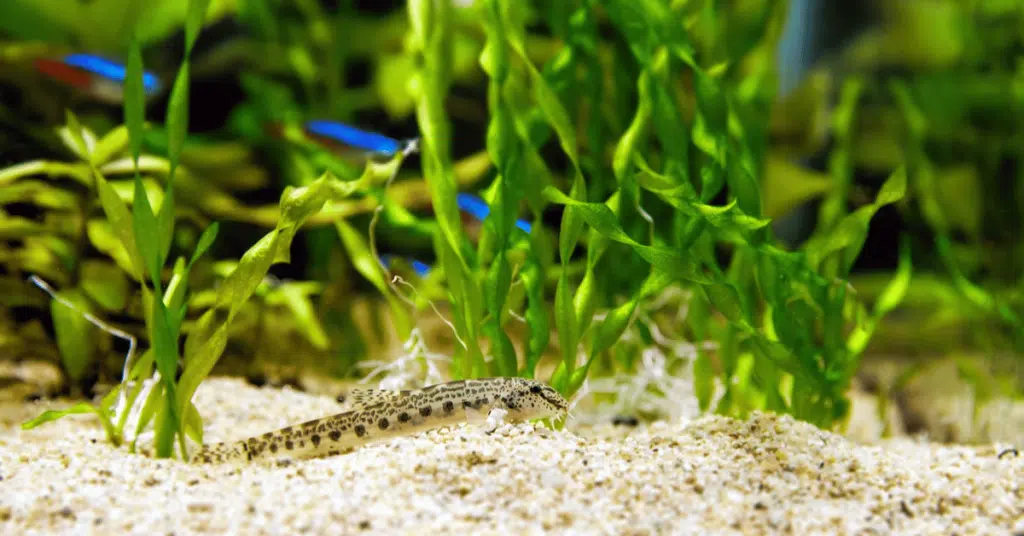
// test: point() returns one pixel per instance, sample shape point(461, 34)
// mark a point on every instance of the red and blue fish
point(99, 77)
point(421, 268)
point(329, 132)
point(342, 138)
point(479, 209)
point(471, 205)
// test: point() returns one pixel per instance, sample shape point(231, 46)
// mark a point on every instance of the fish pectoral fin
point(475, 417)
point(489, 421)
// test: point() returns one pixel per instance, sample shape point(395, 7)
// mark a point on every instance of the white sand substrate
point(713, 475)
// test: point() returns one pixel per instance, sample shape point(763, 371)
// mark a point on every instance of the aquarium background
point(784, 201)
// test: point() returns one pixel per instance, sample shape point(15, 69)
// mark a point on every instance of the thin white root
point(125, 336)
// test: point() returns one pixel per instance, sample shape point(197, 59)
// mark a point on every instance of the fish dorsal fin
point(362, 397)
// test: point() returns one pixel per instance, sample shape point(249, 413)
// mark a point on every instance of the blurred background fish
point(337, 133)
point(100, 78)
point(479, 209)
point(421, 268)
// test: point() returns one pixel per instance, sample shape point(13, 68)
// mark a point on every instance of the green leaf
point(632, 138)
point(566, 322)
point(507, 151)
point(143, 368)
point(560, 378)
point(703, 380)
point(572, 220)
point(111, 145)
point(850, 233)
point(671, 130)
point(894, 188)
point(134, 98)
point(734, 224)
point(108, 400)
point(177, 117)
point(165, 224)
point(164, 341)
point(466, 362)
point(496, 289)
point(208, 338)
point(893, 294)
point(165, 349)
point(888, 300)
point(149, 409)
point(640, 22)
point(175, 294)
point(976, 294)
point(105, 240)
point(391, 77)
point(11, 174)
point(205, 241)
point(105, 284)
point(194, 424)
point(577, 378)
point(727, 300)
point(745, 186)
point(76, 138)
point(603, 220)
point(554, 112)
point(52, 415)
point(120, 221)
point(709, 126)
point(609, 330)
point(42, 194)
point(783, 357)
point(430, 47)
point(75, 334)
point(305, 316)
point(532, 275)
point(147, 236)
point(194, 23)
point(165, 426)
point(787, 185)
point(585, 300)
point(16, 227)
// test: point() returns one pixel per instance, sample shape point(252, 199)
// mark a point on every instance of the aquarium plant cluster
point(595, 178)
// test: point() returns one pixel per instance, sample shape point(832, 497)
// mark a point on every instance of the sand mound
point(709, 476)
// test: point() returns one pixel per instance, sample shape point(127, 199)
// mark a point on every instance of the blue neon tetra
point(335, 133)
point(422, 269)
point(101, 78)
point(479, 209)
point(469, 204)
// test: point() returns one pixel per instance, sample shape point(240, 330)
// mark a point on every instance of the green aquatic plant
point(145, 237)
point(643, 140)
point(526, 109)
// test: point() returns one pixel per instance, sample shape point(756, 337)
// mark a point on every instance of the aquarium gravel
point(713, 475)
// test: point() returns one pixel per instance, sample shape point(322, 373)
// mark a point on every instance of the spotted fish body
point(381, 415)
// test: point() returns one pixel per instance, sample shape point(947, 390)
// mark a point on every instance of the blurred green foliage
point(644, 140)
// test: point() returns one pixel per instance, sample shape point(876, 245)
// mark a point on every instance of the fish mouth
point(555, 401)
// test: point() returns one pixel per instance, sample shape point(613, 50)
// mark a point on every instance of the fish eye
point(535, 389)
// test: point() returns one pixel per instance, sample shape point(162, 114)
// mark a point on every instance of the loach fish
point(381, 415)
point(99, 77)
